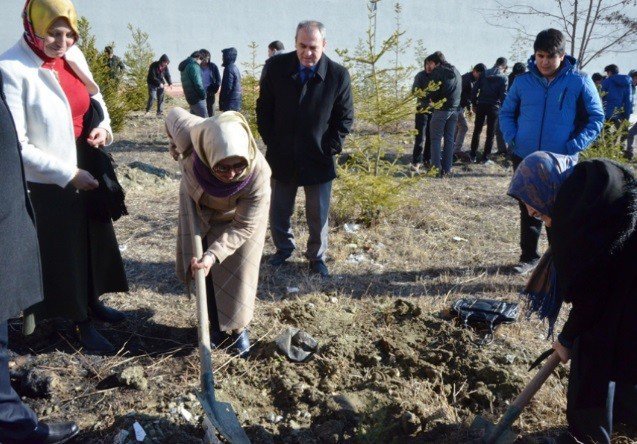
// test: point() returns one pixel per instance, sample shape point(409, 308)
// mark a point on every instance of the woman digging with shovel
point(591, 210)
point(228, 180)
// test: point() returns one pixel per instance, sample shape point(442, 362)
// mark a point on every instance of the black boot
point(92, 340)
point(106, 314)
point(240, 343)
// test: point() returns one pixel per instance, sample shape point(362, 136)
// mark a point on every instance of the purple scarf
point(214, 186)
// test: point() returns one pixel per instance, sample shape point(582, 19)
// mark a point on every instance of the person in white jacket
point(53, 97)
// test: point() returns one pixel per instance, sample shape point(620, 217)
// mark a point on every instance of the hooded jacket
point(191, 81)
point(564, 116)
point(230, 96)
point(618, 101)
point(491, 88)
point(156, 77)
point(450, 86)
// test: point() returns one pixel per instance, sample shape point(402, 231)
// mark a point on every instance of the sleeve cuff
point(564, 341)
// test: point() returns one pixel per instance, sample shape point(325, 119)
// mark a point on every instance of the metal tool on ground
point(501, 433)
point(221, 414)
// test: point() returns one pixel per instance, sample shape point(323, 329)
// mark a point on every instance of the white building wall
point(177, 28)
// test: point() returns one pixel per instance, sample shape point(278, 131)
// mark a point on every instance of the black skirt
point(80, 256)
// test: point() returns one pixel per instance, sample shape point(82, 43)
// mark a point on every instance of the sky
point(456, 27)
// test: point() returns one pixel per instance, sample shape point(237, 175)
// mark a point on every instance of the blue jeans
point(443, 124)
point(199, 109)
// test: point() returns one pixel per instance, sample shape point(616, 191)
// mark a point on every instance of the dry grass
point(458, 237)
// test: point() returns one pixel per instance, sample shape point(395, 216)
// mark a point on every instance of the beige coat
point(233, 229)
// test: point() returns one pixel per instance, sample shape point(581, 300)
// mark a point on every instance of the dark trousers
point(16, 419)
point(155, 94)
point(499, 138)
point(530, 228)
point(422, 128)
point(490, 114)
point(594, 424)
point(210, 102)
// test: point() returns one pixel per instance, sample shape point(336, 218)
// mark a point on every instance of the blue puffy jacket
point(618, 101)
point(230, 95)
point(564, 116)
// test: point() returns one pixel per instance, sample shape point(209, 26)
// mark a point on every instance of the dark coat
point(20, 272)
point(467, 86)
point(491, 88)
point(155, 77)
point(303, 125)
point(421, 81)
point(191, 81)
point(215, 81)
point(594, 244)
point(230, 96)
point(450, 86)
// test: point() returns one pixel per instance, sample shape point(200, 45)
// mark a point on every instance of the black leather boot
point(92, 340)
point(106, 314)
point(49, 433)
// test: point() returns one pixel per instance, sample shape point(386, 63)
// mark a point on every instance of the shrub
point(109, 86)
point(137, 58)
point(609, 144)
point(250, 87)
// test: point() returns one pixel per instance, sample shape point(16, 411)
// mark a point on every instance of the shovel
point(501, 433)
point(221, 414)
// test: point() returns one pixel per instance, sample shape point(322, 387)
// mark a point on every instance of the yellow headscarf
point(39, 15)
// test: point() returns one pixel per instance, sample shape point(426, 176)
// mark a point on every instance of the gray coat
point(20, 272)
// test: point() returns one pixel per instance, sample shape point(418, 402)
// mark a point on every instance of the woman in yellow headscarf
point(229, 181)
point(60, 117)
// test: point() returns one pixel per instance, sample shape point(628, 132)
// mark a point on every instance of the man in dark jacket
point(423, 115)
point(158, 77)
point(468, 80)
point(20, 286)
point(443, 120)
point(304, 112)
point(488, 93)
point(552, 107)
point(231, 96)
point(115, 65)
point(632, 132)
point(211, 80)
point(618, 97)
point(192, 84)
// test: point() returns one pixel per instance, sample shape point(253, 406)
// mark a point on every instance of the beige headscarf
point(213, 139)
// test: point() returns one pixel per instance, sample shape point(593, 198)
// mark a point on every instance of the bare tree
point(592, 27)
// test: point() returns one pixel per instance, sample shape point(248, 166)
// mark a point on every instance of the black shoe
point(92, 340)
point(106, 314)
point(241, 343)
point(52, 433)
point(524, 268)
point(219, 339)
point(279, 258)
point(472, 158)
point(319, 267)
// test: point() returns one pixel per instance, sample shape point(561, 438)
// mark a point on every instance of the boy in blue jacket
point(552, 107)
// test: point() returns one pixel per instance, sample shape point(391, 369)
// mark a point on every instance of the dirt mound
point(139, 176)
point(394, 372)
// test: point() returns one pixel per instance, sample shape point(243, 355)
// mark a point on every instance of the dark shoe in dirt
point(106, 314)
point(279, 258)
point(51, 433)
point(524, 268)
point(319, 267)
point(92, 340)
point(240, 343)
point(219, 339)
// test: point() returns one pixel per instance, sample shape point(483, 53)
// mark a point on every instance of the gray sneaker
point(524, 268)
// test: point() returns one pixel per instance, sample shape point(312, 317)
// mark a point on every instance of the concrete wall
point(456, 27)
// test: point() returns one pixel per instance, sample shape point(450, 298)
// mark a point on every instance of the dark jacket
point(215, 80)
point(594, 245)
point(20, 271)
point(518, 69)
point(155, 77)
point(303, 125)
point(450, 86)
point(491, 88)
point(421, 81)
point(563, 117)
point(191, 81)
point(618, 101)
point(467, 87)
point(230, 96)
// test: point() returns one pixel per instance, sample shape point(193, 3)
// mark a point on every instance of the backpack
point(485, 314)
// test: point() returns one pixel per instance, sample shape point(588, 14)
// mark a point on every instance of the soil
point(392, 364)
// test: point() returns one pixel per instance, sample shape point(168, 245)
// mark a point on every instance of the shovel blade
point(224, 419)
point(482, 428)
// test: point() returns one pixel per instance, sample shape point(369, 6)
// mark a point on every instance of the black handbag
point(485, 314)
point(107, 201)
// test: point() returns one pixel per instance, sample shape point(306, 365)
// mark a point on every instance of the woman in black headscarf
point(591, 263)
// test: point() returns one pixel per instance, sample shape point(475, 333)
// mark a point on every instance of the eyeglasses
point(237, 168)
